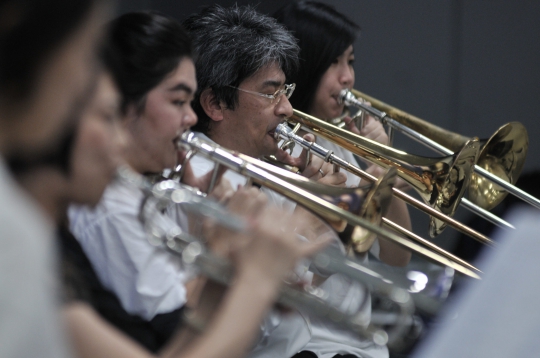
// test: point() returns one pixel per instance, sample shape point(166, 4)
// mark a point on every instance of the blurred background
point(467, 66)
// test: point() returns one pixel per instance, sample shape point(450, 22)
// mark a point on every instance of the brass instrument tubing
point(330, 157)
point(514, 190)
point(392, 225)
point(420, 138)
point(428, 209)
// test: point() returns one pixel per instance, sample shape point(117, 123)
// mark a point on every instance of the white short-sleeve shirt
point(147, 279)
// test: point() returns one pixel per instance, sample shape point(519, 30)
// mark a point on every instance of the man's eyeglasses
point(286, 91)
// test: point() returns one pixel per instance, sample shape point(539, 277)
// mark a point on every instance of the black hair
point(142, 48)
point(232, 44)
point(30, 30)
point(323, 35)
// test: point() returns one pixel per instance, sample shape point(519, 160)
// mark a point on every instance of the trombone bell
point(504, 156)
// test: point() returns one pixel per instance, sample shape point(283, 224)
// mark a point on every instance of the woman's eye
point(179, 103)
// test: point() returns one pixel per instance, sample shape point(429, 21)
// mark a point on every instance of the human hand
point(272, 251)
point(350, 125)
point(246, 203)
point(203, 182)
point(374, 130)
point(313, 167)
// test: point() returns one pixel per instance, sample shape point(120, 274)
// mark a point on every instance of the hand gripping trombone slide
point(312, 300)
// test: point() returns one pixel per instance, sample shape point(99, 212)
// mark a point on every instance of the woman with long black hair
point(326, 38)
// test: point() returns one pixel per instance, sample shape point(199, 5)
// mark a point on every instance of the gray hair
point(231, 45)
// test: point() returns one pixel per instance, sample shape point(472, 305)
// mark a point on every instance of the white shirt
point(30, 323)
point(146, 279)
point(352, 180)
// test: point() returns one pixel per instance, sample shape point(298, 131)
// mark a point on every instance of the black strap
point(82, 283)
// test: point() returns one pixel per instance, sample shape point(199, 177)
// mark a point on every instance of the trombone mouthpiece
point(345, 97)
point(282, 131)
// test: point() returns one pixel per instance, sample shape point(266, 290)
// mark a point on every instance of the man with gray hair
point(243, 62)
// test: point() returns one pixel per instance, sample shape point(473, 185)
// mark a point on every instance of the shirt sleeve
point(147, 279)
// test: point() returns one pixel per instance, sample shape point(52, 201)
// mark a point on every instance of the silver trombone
point(312, 300)
point(501, 159)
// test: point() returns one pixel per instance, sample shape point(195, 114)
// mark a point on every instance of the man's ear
point(210, 105)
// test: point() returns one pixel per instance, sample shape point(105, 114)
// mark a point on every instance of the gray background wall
point(468, 66)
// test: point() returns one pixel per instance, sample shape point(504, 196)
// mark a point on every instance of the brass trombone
point(501, 158)
point(317, 205)
point(441, 182)
point(287, 134)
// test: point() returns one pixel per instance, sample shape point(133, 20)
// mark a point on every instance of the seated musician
point(326, 39)
point(47, 67)
point(243, 95)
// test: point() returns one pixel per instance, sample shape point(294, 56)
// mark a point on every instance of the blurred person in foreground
point(47, 68)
